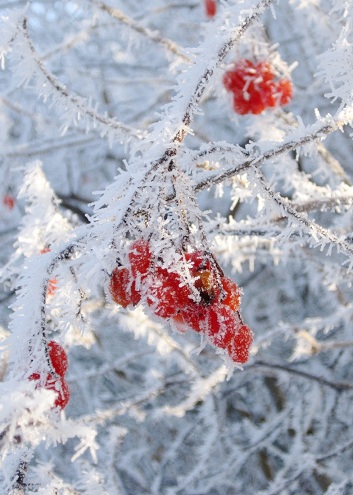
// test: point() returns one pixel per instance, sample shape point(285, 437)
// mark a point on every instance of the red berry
point(63, 394)
point(264, 72)
point(221, 323)
point(254, 88)
point(232, 298)
point(210, 7)
point(140, 257)
point(239, 347)
point(57, 384)
point(58, 358)
point(206, 280)
point(285, 89)
point(165, 293)
point(206, 284)
point(123, 288)
point(193, 316)
point(179, 323)
point(8, 201)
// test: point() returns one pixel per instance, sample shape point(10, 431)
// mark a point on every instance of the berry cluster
point(55, 381)
point(209, 306)
point(254, 87)
point(210, 7)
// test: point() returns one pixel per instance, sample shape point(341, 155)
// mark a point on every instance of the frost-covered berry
point(57, 384)
point(166, 294)
point(140, 257)
point(58, 358)
point(221, 324)
point(238, 349)
point(8, 201)
point(123, 288)
point(254, 87)
point(232, 294)
point(193, 316)
point(204, 273)
point(285, 91)
point(210, 7)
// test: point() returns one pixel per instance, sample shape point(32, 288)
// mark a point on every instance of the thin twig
point(154, 36)
point(248, 162)
point(78, 102)
point(338, 386)
point(316, 231)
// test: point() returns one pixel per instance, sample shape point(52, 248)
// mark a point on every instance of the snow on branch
point(336, 68)
point(71, 108)
point(9, 28)
point(154, 36)
point(319, 235)
point(295, 140)
point(177, 116)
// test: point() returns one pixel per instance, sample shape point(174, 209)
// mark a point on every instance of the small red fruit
point(203, 271)
point(285, 89)
point(52, 383)
point(193, 316)
point(140, 257)
point(198, 260)
point(166, 294)
point(254, 87)
point(206, 286)
point(8, 201)
point(210, 8)
point(232, 298)
point(123, 288)
point(222, 325)
point(58, 358)
point(239, 348)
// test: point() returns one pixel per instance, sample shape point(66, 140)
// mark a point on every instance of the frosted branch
point(337, 386)
point(107, 125)
point(249, 161)
point(319, 234)
point(154, 36)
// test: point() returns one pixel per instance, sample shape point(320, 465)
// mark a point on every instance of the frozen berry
point(194, 316)
point(222, 324)
point(8, 201)
point(238, 349)
point(206, 284)
point(232, 293)
point(123, 288)
point(285, 90)
point(58, 358)
point(53, 383)
point(166, 293)
point(140, 257)
point(203, 271)
point(254, 87)
point(210, 7)
point(198, 261)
